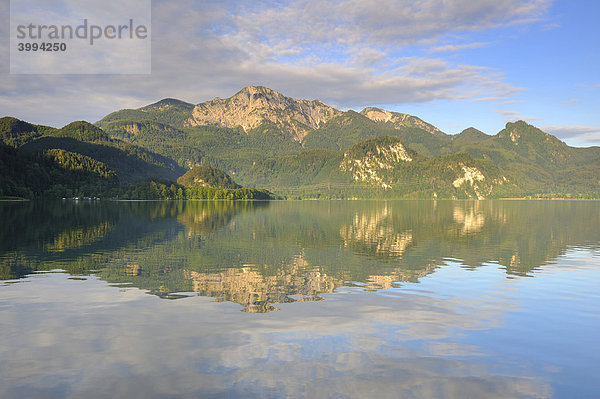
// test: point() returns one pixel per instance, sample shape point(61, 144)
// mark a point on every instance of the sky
point(453, 63)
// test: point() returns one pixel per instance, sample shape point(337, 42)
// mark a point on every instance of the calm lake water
point(339, 299)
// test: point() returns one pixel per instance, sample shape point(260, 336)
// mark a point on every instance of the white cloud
point(506, 112)
point(448, 48)
point(583, 135)
point(348, 52)
point(513, 116)
point(570, 131)
point(130, 344)
point(384, 21)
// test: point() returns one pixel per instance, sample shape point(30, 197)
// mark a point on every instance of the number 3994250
point(42, 46)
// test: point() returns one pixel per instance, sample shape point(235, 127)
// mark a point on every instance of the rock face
point(366, 161)
point(386, 163)
point(254, 106)
point(474, 182)
point(398, 120)
point(471, 175)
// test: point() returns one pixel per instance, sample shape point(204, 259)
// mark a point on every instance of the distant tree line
point(164, 189)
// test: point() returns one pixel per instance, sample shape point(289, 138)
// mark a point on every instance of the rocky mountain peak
point(377, 114)
point(254, 106)
point(399, 120)
point(253, 90)
point(519, 130)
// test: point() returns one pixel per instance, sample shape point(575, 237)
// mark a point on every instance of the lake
point(301, 299)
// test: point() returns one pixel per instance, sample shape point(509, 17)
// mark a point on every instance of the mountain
point(385, 162)
point(535, 145)
point(382, 167)
point(538, 161)
point(345, 130)
point(15, 132)
point(253, 106)
point(130, 163)
point(53, 173)
point(300, 148)
point(469, 136)
point(350, 128)
point(79, 159)
point(82, 160)
point(81, 131)
point(167, 111)
point(257, 122)
point(399, 121)
point(388, 164)
point(294, 146)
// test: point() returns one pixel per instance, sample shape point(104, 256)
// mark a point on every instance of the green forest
point(156, 152)
point(82, 161)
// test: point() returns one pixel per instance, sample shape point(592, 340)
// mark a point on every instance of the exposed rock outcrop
point(399, 120)
point(367, 160)
point(254, 106)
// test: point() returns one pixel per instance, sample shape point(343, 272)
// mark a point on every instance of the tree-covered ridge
point(345, 130)
point(159, 138)
point(168, 111)
point(306, 168)
point(81, 160)
point(157, 141)
point(382, 167)
point(82, 131)
point(15, 132)
point(132, 131)
point(129, 162)
point(540, 163)
point(77, 162)
point(207, 176)
point(229, 149)
point(53, 174)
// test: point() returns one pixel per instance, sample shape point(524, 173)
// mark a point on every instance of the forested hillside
point(299, 149)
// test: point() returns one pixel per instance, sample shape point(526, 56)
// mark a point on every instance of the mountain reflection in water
point(259, 254)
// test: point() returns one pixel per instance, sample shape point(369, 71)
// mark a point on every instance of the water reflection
point(259, 254)
point(125, 344)
point(471, 220)
point(374, 233)
point(256, 292)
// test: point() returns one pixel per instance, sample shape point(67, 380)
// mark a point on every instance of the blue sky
point(453, 63)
